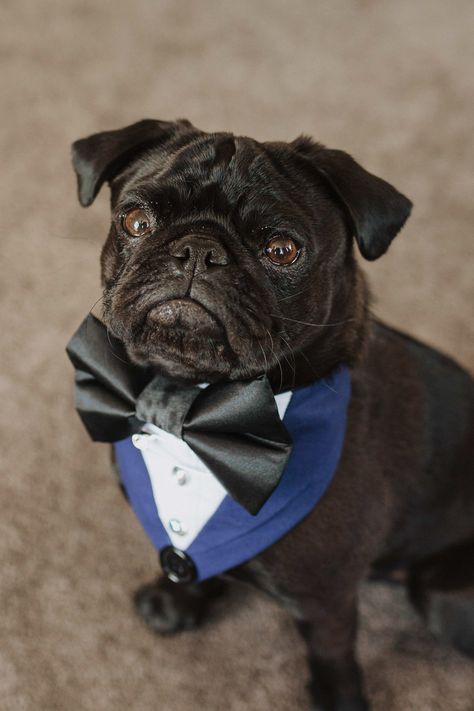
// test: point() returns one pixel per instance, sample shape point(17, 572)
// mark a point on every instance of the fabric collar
point(316, 420)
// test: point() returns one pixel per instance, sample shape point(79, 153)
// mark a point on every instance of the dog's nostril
point(208, 259)
point(215, 256)
point(184, 253)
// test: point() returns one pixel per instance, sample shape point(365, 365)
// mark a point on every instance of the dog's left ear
point(375, 208)
point(100, 157)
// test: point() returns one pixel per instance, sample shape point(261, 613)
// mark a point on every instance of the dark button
point(177, 565)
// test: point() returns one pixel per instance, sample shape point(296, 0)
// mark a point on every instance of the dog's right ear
point(376, 210)
point(100, 157)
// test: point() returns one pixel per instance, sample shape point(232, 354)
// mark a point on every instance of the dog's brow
point(245, 155)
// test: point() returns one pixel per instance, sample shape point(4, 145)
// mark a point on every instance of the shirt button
point(177, 565)
point(140, 441)
point(177, 527)
point(181, 477)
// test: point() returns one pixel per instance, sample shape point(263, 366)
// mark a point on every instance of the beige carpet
point(391, 82)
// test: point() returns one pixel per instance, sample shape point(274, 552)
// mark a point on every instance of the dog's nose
point(199, 253)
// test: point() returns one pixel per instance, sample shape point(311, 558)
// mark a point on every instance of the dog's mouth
point(185, 314)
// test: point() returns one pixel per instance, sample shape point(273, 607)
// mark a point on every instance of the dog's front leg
point(329, 628)
point(324, 607)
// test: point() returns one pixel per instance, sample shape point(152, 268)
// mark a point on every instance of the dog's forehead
point(233, 163)
point(219, 158)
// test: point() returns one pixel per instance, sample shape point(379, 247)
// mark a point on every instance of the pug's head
point(227, 257)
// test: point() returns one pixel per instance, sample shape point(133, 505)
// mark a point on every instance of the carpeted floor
point(391, 82)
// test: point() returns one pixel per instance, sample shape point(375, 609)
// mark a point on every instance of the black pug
point(228, 258)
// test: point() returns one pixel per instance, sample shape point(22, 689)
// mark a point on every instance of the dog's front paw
point(164, 610)
point(325, 698)
point(167, 607)
point(359, 704)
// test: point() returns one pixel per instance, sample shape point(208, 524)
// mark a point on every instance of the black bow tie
point(233, 427)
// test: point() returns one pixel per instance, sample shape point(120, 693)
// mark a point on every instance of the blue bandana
point(221, 534)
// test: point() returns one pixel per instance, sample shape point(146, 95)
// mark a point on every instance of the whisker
point(323, 381)
point(95, 303)
point(316, 325)
point(264, 355)
point(300, 355)
point(293, 364)
point(298, 293)
point(112, 349)
point(275, 356)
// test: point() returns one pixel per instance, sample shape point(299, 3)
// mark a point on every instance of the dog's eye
point(282, 250)
point(137, 222)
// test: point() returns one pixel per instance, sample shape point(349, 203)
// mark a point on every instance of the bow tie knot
point(166, 404)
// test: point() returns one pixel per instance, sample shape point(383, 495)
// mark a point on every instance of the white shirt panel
point(282, 402)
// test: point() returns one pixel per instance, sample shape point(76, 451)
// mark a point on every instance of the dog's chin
point(195, 361)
